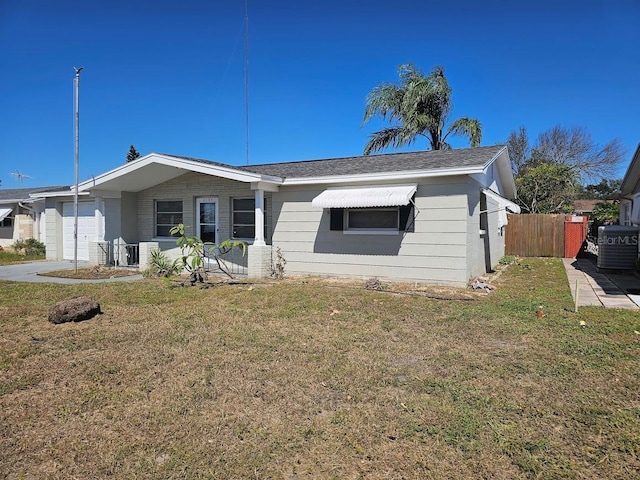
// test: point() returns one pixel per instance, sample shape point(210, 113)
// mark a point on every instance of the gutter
point(29, 209)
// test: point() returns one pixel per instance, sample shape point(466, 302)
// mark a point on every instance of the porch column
point(259, 234)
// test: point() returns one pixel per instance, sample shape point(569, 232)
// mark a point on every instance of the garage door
point(86, 229)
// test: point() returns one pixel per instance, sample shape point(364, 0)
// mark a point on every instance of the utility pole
point(76, 83)
point(246, 74)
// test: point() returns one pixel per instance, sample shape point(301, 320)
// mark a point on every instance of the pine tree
point(133, 154)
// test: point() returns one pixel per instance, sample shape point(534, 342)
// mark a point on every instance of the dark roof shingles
point(20, 194)
point(394, 162)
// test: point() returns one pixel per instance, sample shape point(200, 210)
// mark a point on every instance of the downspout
point(22, 205)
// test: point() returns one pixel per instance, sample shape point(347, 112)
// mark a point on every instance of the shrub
point(161, 266)
point(507, 260)
point(30, 246)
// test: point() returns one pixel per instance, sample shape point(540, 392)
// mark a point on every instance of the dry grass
point(92, 273)
point(314, 379)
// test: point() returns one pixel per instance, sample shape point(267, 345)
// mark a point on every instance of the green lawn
point(319, 379)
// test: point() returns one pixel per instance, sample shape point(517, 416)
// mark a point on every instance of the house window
point(168, 215)
point(6, 222)
point(373, 220)
point(243, 218)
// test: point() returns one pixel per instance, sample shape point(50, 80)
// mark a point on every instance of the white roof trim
point(382, 176)
point(378, 196)
point(502, 202)
point(63, 193)
point(179, 163)
point(4, 213)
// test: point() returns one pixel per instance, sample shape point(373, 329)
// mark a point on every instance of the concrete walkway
point(28, 272)
point(594, 288)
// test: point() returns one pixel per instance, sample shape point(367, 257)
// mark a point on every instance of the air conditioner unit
point(617, 247)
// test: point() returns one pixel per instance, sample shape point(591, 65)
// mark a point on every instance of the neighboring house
point(22, 214)
point(585, 207)
point(431, 216)
point(630, 192)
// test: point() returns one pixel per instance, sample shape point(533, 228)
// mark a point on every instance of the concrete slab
point(599, 289)
point(28, 272)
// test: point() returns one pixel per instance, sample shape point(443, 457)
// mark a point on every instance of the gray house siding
point(188, 188)
point(476, 264)
point(53, 229)
point(129, 217)
point(435, 252)
point(113, 220)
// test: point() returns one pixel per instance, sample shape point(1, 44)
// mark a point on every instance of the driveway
point(28, 272)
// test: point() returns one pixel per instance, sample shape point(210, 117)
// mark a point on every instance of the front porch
point(256, 263)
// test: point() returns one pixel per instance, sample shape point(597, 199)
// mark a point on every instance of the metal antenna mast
point(246, 74)
point(76, 83)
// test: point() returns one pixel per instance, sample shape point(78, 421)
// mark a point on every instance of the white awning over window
point(358, 197)
point(502, 202)
point(4, 212)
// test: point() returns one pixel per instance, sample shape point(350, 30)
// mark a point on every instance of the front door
point(207, 212)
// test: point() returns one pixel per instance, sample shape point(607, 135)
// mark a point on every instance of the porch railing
point(233, 260)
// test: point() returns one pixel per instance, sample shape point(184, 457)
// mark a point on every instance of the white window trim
point(252, 210)
point(199, 201)
point(248, 240)
point(155, 218)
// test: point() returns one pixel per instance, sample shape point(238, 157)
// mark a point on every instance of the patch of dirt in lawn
point(91, 273)
point(435, 292)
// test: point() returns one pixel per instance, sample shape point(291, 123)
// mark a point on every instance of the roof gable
point(156, 168)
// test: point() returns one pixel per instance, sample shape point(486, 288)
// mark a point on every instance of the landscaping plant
point(195, 253)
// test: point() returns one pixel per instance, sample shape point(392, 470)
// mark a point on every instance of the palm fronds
point(420, 106)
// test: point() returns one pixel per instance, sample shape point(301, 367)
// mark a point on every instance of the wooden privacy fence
point(535, 235)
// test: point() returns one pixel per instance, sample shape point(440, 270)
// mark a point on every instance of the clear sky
point(168, 76)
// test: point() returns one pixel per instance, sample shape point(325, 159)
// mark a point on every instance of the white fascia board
point(180, 163)
point(31, 199)
point(64, 193)
point(504, 171)
point(383, 176)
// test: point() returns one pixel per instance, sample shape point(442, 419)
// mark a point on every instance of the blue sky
point(168, 76)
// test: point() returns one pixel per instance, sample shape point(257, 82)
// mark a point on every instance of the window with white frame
point(6, 222)
point(367, 219)
point(373, 220)
point(168, 214)
point(243, 218)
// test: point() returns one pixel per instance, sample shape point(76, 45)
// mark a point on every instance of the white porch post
point(259, 261)
point(259, 234)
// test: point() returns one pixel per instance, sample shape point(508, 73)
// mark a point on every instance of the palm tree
point(421, 106)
